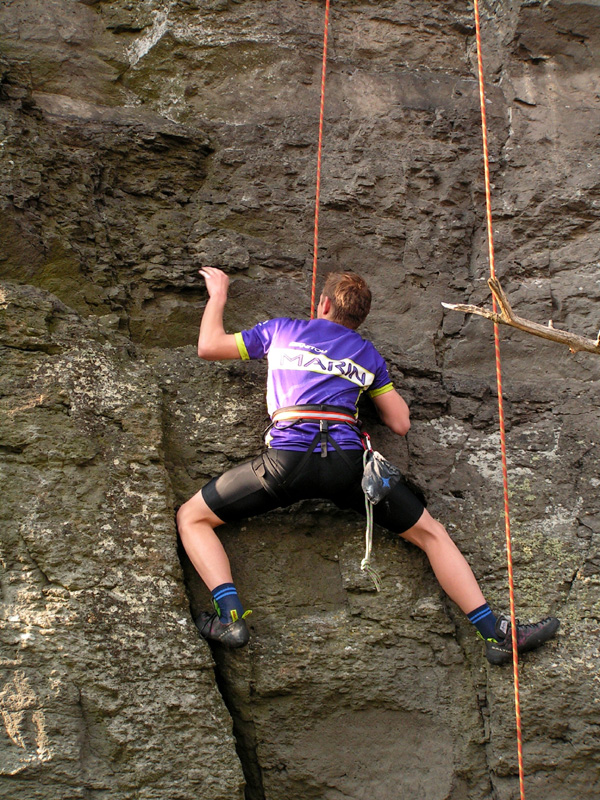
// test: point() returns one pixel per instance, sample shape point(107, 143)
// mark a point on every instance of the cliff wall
point(139, 141)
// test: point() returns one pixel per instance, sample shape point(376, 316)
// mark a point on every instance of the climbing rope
point(366, 561)
point(490, 234)
point(319, 151)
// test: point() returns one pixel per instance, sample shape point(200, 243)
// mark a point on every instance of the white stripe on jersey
point(290, 358)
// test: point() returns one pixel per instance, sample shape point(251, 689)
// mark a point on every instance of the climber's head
point(346, 299)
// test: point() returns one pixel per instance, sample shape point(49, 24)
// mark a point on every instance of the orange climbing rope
point(488, 205)
point(319, 150)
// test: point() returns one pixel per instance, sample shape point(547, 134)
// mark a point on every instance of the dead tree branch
point(507, 316)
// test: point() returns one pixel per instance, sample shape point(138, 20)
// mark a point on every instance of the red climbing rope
point(490, 233)
point(319, 150)
point(511, 587)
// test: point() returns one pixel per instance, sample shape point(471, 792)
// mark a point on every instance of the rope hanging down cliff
point(319, 151)
point(490, 234)
point(508, 537)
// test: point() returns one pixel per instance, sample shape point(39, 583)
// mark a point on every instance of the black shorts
point(273, 480)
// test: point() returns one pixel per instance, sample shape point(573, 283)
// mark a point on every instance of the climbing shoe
point(529, 637)
point(233, 634)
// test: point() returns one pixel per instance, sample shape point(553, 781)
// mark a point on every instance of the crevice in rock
point(244, 731)
point(45, 579)
point(226, 662)
point(580, 570)
point(231, 678)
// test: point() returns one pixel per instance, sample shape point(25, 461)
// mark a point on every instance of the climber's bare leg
point(448, 563)
point(196, 524)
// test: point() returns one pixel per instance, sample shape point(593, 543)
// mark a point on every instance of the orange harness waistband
point(314, 413)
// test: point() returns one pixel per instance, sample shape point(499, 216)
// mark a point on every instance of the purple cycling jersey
point(313, 362)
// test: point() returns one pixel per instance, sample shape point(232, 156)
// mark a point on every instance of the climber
point(317, 370)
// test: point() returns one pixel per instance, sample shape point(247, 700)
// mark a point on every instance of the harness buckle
point(324, 428)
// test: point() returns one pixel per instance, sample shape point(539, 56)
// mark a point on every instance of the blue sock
point(484, 620)
point(227, 603)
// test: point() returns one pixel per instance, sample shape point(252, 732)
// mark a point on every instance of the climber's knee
point(195, 511)
point(427, 533)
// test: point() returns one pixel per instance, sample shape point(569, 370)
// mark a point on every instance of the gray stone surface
point(104, 690)
point(139, 141)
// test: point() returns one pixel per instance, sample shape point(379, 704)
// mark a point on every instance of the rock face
point(94, 700)
point(141, 140)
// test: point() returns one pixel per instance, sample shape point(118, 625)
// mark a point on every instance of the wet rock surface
point(139, 141)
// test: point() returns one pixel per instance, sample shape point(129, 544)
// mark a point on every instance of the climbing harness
point(379, 475)
point(324, 415)
point(490, 233)
point(377, 472)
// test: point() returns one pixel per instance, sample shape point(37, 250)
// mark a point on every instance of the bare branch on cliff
point(507, 316)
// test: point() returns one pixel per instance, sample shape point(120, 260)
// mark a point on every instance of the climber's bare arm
point(213, 343)
point(393, 411)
